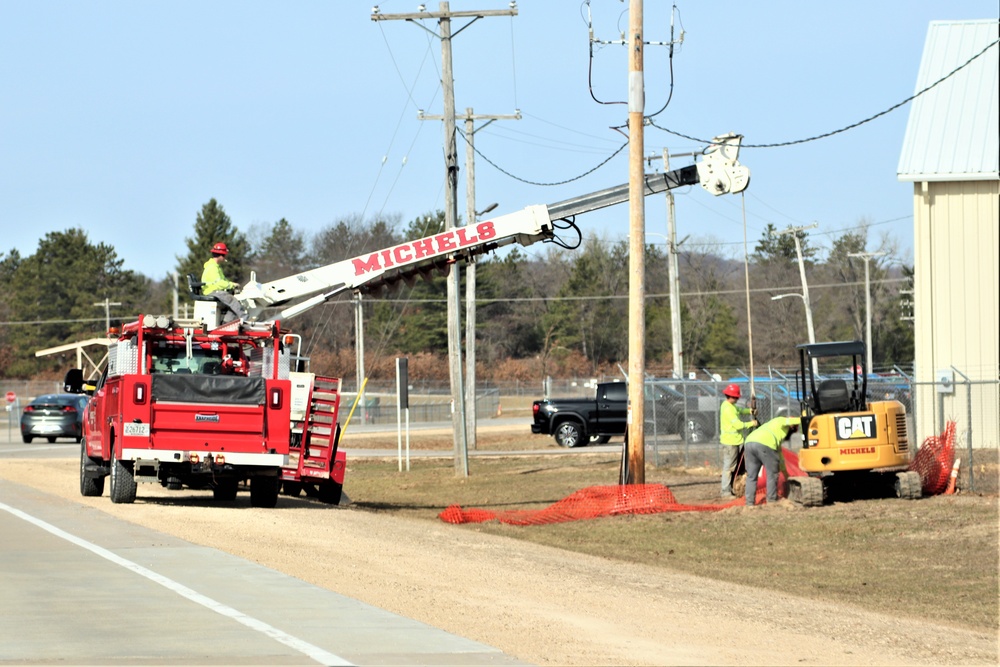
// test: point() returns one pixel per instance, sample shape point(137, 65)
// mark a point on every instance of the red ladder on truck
point(320, 466)
point(320, 436)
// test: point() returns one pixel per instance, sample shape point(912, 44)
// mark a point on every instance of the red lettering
point(486, 230)
point(446, 241)
point(387, 256)
point(361, 267)
point(848, 451)
point(462, 237)
point(401, 256)
point(423, 248)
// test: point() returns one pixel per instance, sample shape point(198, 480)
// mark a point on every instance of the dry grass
point(935, 558)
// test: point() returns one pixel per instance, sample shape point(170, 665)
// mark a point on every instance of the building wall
point(956, 311)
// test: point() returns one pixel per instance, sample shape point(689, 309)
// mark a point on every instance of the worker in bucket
point(732, 430)
point(763, 448)
point(217, 286)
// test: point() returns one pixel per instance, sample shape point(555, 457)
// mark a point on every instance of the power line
point(847, 127)
point(709, 142)
point(568, 180)
point(657, 295)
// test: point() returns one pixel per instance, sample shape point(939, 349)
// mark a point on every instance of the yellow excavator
point(851, 448)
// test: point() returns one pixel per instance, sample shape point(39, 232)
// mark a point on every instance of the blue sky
point(125, 117)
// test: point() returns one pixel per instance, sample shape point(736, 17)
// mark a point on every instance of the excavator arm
point(718, 172)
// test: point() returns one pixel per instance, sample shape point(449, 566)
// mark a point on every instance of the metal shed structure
point(951, 154)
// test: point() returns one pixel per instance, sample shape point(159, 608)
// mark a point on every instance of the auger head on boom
point(719, 172)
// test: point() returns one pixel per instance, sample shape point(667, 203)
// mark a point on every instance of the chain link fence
point(682, 415)
point(682, 419)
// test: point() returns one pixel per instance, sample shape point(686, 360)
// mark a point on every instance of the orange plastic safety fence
point(598, 501)
point(933, 462)
point(935, 459)
point(587, 503)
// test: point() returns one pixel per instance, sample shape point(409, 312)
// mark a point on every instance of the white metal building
point(951, 154)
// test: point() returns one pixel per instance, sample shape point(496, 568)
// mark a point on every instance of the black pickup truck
point(575, 421)
point(689, 411)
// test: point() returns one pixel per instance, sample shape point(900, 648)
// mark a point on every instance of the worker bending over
point(763, 448)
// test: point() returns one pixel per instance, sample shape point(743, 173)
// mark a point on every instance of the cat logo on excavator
point(858, 426)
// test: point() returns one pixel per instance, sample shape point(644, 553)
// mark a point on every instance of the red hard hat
point(732, 390)
point(220, 249)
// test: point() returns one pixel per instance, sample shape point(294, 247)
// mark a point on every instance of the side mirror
point(73, 381)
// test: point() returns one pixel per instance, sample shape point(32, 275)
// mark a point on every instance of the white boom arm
point(718, 172)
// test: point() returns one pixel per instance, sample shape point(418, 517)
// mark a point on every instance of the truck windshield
point(173, 360)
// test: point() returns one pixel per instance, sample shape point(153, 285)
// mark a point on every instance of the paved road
point(80, 587)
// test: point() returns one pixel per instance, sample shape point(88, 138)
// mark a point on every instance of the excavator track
point(806, 491)
point(908, 485)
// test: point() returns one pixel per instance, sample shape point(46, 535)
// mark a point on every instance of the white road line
point(314, 652)
point(36, 448)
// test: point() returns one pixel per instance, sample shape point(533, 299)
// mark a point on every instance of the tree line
point(559, 313)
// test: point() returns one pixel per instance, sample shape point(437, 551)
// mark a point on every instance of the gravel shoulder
point(539, 604)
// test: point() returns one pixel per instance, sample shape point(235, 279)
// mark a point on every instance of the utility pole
point(444, 15)
point(794, 231)
point(868, 302)
point(106, 304)
point(675, 280)
point(635, 470)
point(359, 351)
point(471, 217)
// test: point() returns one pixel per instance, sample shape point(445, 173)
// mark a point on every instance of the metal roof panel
point(952, 131)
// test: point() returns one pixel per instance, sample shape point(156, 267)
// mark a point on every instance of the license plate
point(138, 430)
point(48, 428)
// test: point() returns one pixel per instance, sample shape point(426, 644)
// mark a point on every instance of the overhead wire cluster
point(676, 40)
point(592, 40)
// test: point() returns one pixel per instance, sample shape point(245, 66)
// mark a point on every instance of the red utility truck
point(183, 405)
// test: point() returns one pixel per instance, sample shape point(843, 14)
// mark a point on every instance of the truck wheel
point(51, 439)
point(330, 493)
point(600, 439)
point(27, 439)
point(122, 481)
point(908, 485)
point(569, 434)
point(89, 486)
point(264, 491)
point(225, 490)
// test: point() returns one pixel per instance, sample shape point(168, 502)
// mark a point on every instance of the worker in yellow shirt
point(732, 429)
point(763, 448)
point(217, 286)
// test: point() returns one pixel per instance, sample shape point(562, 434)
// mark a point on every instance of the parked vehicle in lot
point(686, 408)
point(689, 409)
point(54, 416)
point(575, 421)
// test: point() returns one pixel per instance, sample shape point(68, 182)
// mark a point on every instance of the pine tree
point(212, 226)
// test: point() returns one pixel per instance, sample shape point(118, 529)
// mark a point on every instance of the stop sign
point(11, 397)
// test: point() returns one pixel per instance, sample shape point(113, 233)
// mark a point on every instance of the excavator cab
point(850, 447)
point(838, 393)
